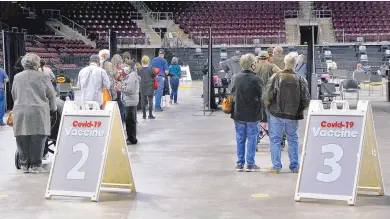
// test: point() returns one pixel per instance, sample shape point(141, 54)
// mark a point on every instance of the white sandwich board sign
point(90, 153)
point(340, 155)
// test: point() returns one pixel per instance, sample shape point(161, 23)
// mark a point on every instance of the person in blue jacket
point(175, 73)
point(161, 65)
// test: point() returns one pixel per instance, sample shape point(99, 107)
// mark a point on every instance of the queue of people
point(268, 88)
point(121, 79)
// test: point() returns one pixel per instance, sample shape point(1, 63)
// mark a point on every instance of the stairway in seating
point(326, 34)
point(293, 36)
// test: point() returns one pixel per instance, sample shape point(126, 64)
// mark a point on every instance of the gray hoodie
point(231, 66)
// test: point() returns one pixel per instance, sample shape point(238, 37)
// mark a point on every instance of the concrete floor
point(184, 168)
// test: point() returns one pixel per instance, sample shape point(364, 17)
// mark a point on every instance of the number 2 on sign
point(332, 163)
point(75, 172)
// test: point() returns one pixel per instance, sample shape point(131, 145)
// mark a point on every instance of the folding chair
point(349, 86)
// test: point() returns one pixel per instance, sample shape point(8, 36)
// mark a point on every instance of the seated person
point(62, 78)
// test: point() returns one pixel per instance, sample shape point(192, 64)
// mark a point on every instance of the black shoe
point(143, 117)
point(151, 117)
point(134, 142)
point(240, 168)
point(252, 168)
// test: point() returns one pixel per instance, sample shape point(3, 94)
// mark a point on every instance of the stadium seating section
point(369, 19)
point(230, 20)
point(99, 17)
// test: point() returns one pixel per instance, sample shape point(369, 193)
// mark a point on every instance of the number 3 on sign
point(75, 172)
point(332, 163)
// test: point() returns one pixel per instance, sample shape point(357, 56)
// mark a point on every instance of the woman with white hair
point(246, 89)
point(34, 98)
point(175, 73)
point(286, 96)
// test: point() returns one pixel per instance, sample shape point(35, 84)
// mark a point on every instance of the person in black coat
point(146, 87)
point(247, 90)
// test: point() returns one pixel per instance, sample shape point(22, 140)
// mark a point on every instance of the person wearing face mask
point(246, 90)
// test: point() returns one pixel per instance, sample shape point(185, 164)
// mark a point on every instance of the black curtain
point(13, 48)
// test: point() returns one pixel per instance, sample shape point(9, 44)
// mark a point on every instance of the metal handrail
point(291, 14)
point(83, 30)
point(4, 26)
point(321, 13)
point(244, 40)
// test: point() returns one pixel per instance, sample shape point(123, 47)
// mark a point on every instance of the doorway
point(162, 30)
point(306, 34)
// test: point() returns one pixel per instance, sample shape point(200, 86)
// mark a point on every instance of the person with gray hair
point(112, 73)
point(246, 90)
point(286, 97)
point(175, 75)
point(91, 81)
point(34, 98)
point(232, 66)
point(278, 57)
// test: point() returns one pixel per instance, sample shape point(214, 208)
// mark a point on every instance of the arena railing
point(3, 26)
point(136, 15)
point(342, 36)
point(55, 15)
point(321, 13)
point(291, 14)
point(239, 40)
point(67, 21)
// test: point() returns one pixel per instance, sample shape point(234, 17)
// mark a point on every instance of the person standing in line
point(146, 87)
point(34, 97)
point(3, 79)
point(117, 62)
point(278, 57)
point(161, 65)
point(175, 72)
point(247, 90)
point(232, 66)
point(91, 81)
point(270, 51)
point(130, 97)
point(47, 71)
point(104, 56)
point(265, 70)
point(286, 97)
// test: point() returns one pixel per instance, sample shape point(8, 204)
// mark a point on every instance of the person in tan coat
point(278, 57)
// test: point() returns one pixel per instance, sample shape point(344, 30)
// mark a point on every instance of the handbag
point(106, 95)
point(156, 71)
point(10, 119)
point(227, 104)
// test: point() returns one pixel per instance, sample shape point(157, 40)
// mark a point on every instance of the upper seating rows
point(228, 19)
point(369, 19)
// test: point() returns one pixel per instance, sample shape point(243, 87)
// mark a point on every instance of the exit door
point(306, 34)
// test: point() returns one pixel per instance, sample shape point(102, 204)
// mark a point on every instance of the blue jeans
point(120, 105)
point(244, 131)
point(174, 87)
point(2, 105)
point(159, 91)
point(276, 128)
